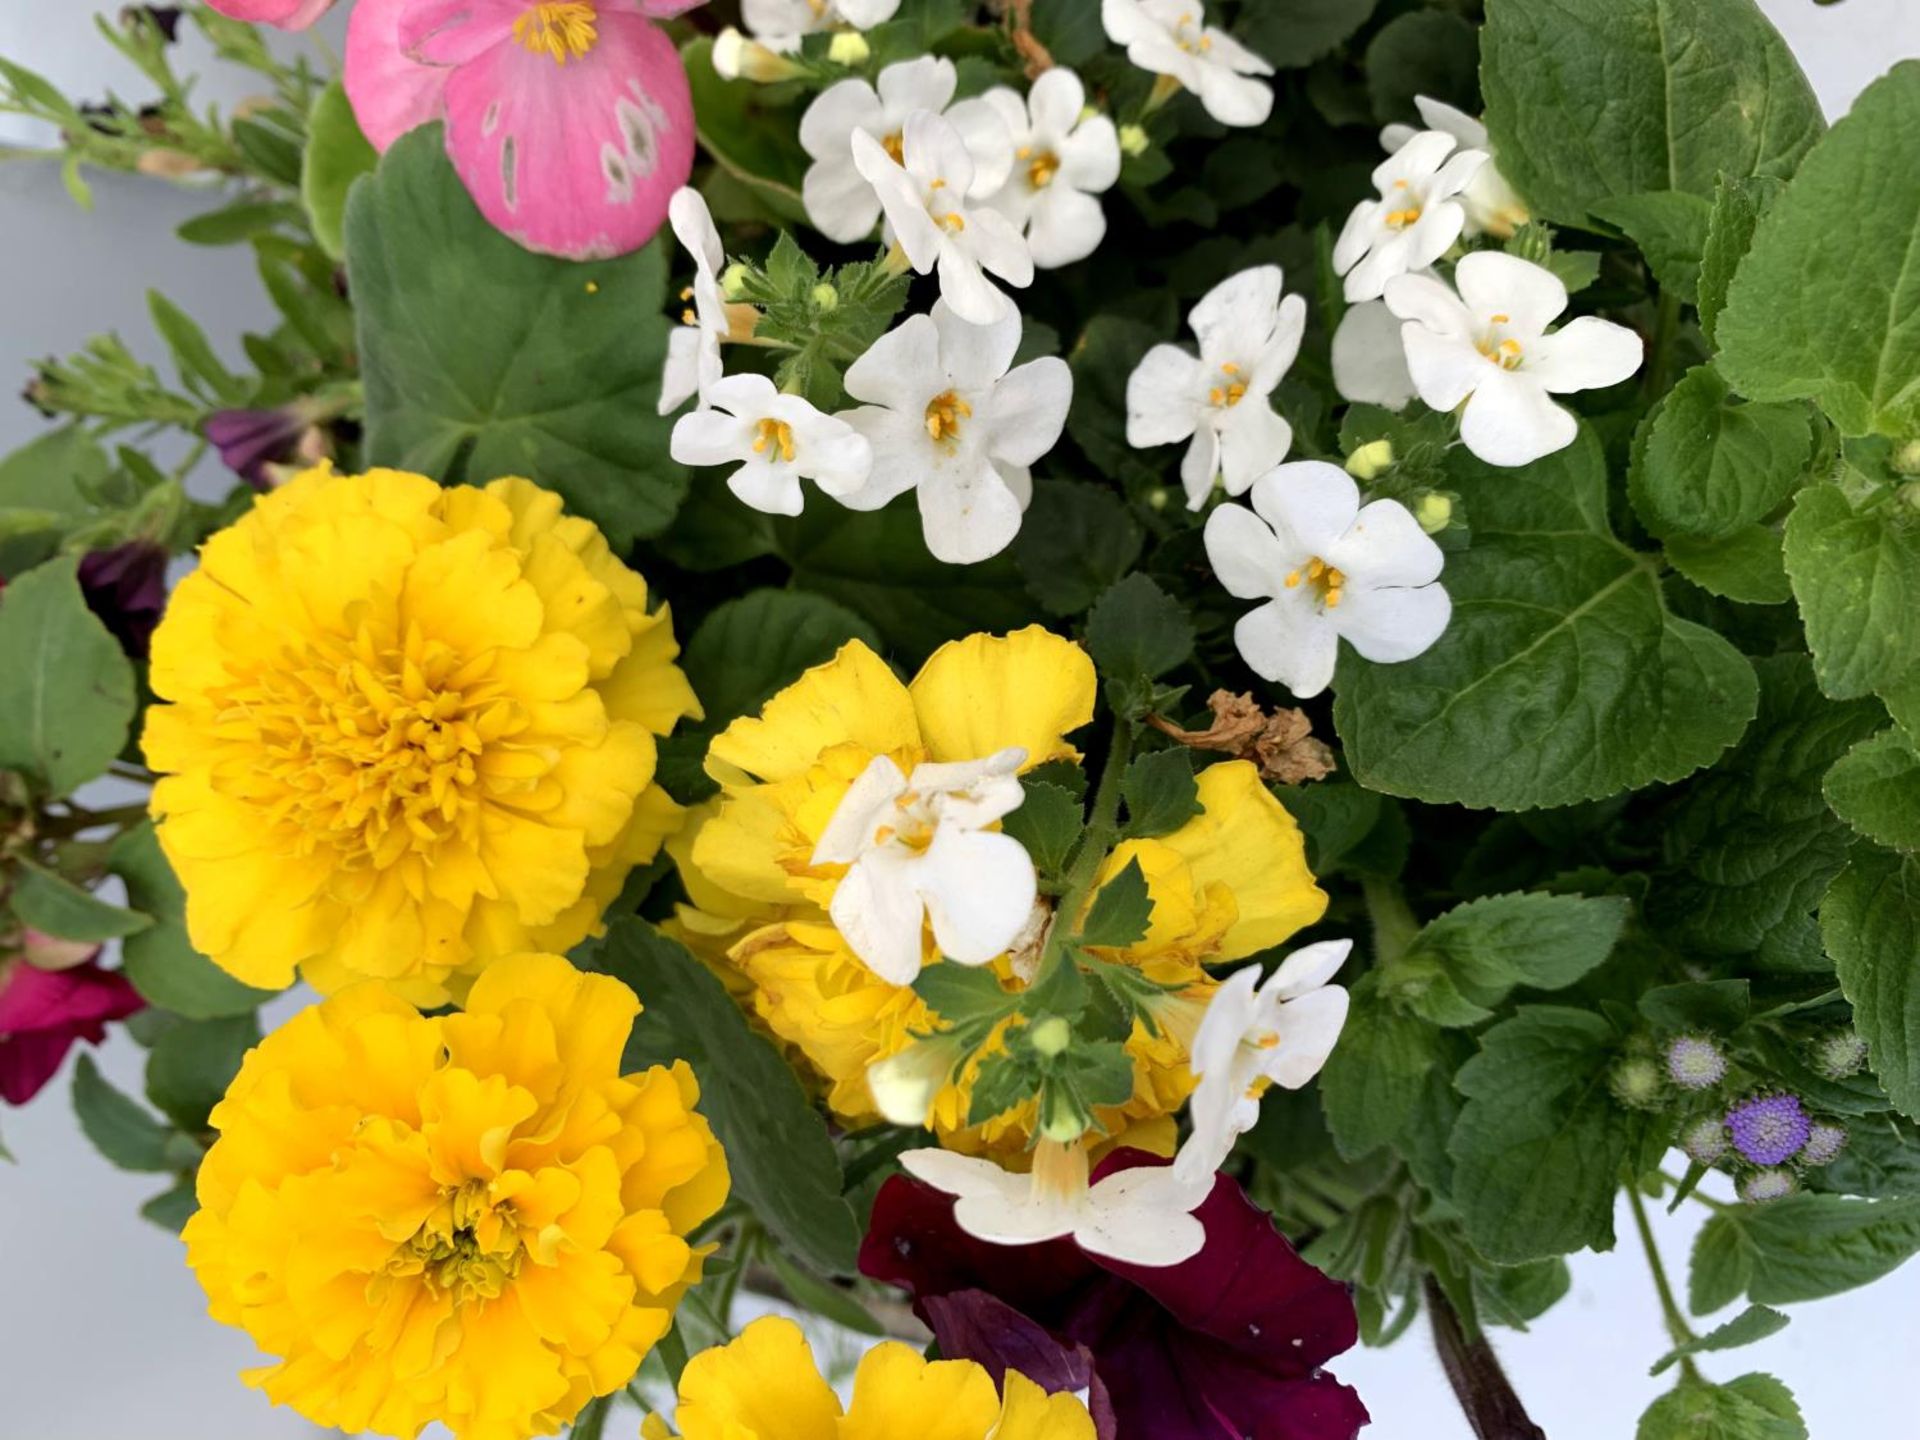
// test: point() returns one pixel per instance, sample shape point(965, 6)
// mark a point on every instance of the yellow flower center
point(1326, 580)
point(1231, 390)
point(1190, 35)
point(1502, 350)
point(467, 1248)
point(943, 416)
point(1042, 166)
point(895, 146)
point(563, 29)
point(773, 435)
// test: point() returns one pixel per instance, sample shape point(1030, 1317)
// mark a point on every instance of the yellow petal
point(988, 692)
point(897, 1392)
point(762, 1386)
point(853, 697)
point(1030, 1413)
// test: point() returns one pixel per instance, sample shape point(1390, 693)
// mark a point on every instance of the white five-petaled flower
point(1488, 345)
point(1172, 38)
point(1417, 217)
point(947, 418)
point(1062, 158)
point(693, 349)
point(1369, 359)
point(781, 23)
point(917, 850)
point(841, 200)
point(1492, 207)
point(777, 440)
point(1254, 1034)
point(1249, 335)
point(1327, 569)
point(924, 195)
point(1143, 1216)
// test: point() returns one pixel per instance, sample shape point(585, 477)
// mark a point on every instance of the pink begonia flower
point(570, 122)
point(286, 14)
point(44, 1011)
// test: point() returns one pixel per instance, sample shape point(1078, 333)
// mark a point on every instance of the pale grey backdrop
point(102, 1329)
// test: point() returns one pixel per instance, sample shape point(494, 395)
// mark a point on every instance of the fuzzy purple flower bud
point(1764, 1185)
point(127, 588)
point(1825, 1141)
point(1839, 1054)
point(1695, 1062)
point(1704, 1141)
point(1768, 1129)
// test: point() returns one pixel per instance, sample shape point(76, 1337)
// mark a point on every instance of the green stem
point(1394, 925)
point(1677, 1328)
point(673, 1354)
point(1666, 325)
point(591, 1423)
point(1095, 841)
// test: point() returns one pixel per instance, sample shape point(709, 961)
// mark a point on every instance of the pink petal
point(287, 14)
point(43, 1012)
point(391, 92)
point(577, 160)
point(452, 32)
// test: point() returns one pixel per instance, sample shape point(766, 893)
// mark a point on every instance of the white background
point(102, 1329)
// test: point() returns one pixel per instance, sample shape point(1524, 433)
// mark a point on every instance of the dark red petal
point(973, 1325)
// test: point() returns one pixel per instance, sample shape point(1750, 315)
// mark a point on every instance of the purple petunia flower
point(1764, 1185)
point(250, 441)
point(126, 587)
point(1769, 1129)
point(1825, 1141)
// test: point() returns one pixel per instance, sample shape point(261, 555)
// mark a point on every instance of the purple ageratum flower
point(1695, 1062)
point(1825, 1141)
point(1704, 1141)
point(1764, 1185)
point(1227, 1344)
point(127, 588)
point(1769, 1129)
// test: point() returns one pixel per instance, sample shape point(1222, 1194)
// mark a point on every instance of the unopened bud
point(1765, 1185)
point(735, 57)
point(1705, 1141)
point(1906, 460)
point(1051, 1036)
point(1695, 1063)
point(825, 297)
point(1825, 1141)
point(1134, 140)
point(904, 1084)
point(1434, 512)
point(733, 280)
point(1839, 1054)
point(849, 48)
point(1157, 498)
point(167, 164)
point(1636, 1082)
point(1370, 459)
point(1062, 1120)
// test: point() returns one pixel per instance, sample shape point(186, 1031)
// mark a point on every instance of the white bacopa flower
point(777, 440)
point(917, 850)
point(1253, 1035)
point(1143, 1216)
point(1249, 334)
point(1327, 569)
point(1062, 158)
point(1488, 345)
point(1416, 218)
point(841, 200)
point(947, 419)
point(1492, 206)
point(1369, 360)
point(693, 349)
point(1172, 38)
point(924, 195)
point(781, 23)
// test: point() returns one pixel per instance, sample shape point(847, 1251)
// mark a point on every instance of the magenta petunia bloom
point(286, 14)
point(43, 1012)
point(1226, 1345)
point(570, 122)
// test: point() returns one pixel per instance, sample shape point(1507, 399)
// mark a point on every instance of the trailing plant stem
point(1487, 1397)
point(1677, 1328)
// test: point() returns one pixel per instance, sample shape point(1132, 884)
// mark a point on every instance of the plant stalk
point(1678, 1330)
point(1485, 1394)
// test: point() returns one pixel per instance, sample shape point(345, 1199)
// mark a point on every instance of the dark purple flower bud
point(1695, 1062)
point(1769, 1129)
point(251, 440)
point(1704, 1141)
point(1840, 1054)
point(1764, 1185)
point(127, 588)
point(1825, 1141)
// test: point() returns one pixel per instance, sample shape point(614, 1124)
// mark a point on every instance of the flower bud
point(1839, 1054)
point(1764, 1185)
point(825, 298)
point(735, 57)
point(1061, 1117)
point(849, 48)
point(903, 1085)
point(1705, 1141)
point(1906, 460)
point(1434, 512)
point(1636, 1082)
point(1051, 1036)
point(1695, 1062)
point(1825, 1141)
point(1370, 459)
point(733, 280)
point(1134, 140)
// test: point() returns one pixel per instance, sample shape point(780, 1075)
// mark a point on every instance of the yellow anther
point(1041, 168)
point(1267, 1040)
point(895, 146)
point(1502, 319)
point(1325, 579)
point(773, 434)
point(1400, 219)
point(954, 221)
point(562, 29)
point(1293, 580)
point(944, 413)
point(687, 317)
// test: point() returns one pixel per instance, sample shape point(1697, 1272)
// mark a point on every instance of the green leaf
point(1754, 1407)
point(1562, 677)
point(171, 1209)
point(1875, 788)
point(120, 1130)
point(822, 1297)
point(1856, 576)
point(1593, 99)
point(1751, 845)
point(55, 905)
point(751, 132)
point(1539, 1147)
point(482, 359)
point(1294, 33)
point(964, 994)
point(160, 961)
point(1807, 1247)
point(746, 649)
point(1425, 52)
point(1160, 792)
point(1720, 1005)
point(1706, 465)
point(193, 356)
point(1072, 34)
point(1738, 204)
point(1881, 1162)
point(1670, 227)
point(1485, 948)
point(1120, 911)
point(1076, 540)
point(1049, 822)
point(1824, 310)
point(1722, 1264)
point(1373, 1081)
point(1136, 631)
point(66, 687)
point(783, 1164)
point(238, 223)
point(337, 154)
point(1756, 1322)
point(1749, 566)
point(1870, 925)
point(191, 1065)
point(1102, 361)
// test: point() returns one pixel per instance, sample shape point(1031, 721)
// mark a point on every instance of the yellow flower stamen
point(895, 146)
point(1231, 393)
point(563, 29)
point(1324, 579)
point(1402, 218)
point(1041, 168)
point(944, 413)
point(774, 434)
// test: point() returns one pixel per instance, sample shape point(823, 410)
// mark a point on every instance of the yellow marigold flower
point(1230, 882)
point(469, 1218)
point(411, 729)
point(765, 1386)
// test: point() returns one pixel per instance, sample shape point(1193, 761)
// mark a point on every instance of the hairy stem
point(1394, 925)
point(1677, 1327)
point(1473, 1370)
